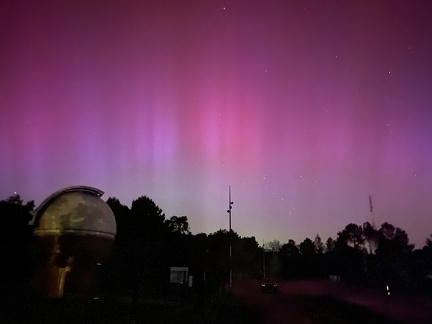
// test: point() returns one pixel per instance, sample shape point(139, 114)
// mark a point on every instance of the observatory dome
point(74, 233)
point(75, 210)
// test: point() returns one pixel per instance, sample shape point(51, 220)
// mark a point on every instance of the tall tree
point(393, 241)
point(310, 258)
point(289, 255)
point(121, 212)
point(370, 238)
point(330, 245)
point(391, 256)
point(148, 219)
point(307, 247)
point(290, 249)
point(120, 271)
point(348, 254)
point(218, 250)
point(247, 260)
point(319, 245)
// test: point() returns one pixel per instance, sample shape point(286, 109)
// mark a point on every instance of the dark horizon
point(376, 227)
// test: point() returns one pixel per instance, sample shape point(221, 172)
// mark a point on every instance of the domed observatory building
point(74, 233)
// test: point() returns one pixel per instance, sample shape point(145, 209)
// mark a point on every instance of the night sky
point(304, 107)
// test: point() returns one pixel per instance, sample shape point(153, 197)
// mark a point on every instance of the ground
point(329, 302)
point(301, 302)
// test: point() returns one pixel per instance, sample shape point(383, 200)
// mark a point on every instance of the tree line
point(148, 243)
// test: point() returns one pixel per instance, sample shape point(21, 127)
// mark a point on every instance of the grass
point(196, 309)
point(210, 310)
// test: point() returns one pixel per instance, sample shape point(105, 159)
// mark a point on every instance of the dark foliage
point(147, 244)
point(15, 244)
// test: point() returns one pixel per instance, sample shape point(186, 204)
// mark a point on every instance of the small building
point(180, 276)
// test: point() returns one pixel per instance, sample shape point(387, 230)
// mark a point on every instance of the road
point(329, 302)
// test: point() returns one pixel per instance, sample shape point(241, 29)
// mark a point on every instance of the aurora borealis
point(303, 107)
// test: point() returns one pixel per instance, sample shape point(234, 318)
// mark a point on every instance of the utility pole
point(230, 203)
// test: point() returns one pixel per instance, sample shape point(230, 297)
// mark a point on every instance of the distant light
point(98, 263)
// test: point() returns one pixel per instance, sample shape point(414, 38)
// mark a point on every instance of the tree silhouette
point(393, 241)
point(370, 238)
point(347, 256)
point(15, 243)
point(428, 246)
point(147, 219)
point(120, 273)
point(319, 245)
point(307, 248)
point(179, 225)
point(309, 259)
point(391, 256)
point(147, 244)
point(247, 259)
point(272, 246)
point(289, 255)
point(330, 245)
point(122, 215)
point(351, 235)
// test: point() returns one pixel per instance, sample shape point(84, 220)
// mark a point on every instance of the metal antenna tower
point(371, 211)
point(230, 203)
point(264, 265)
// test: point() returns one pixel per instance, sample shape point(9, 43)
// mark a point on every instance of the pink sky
point(304, 108)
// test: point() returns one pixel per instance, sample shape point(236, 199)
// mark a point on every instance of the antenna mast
point(230, 203)
point(371, 211)
point(264, 266)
